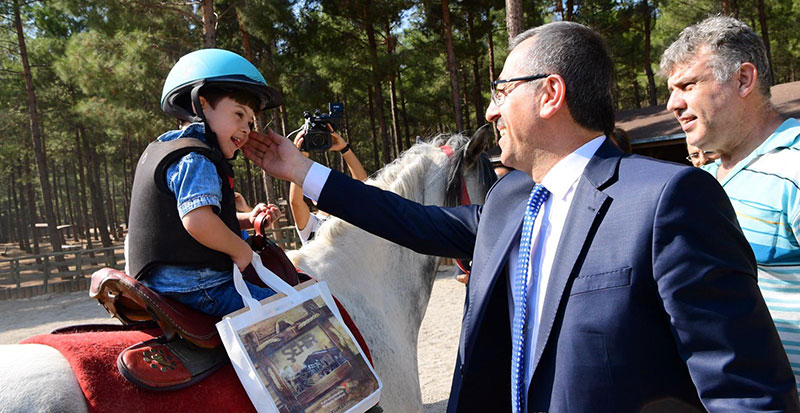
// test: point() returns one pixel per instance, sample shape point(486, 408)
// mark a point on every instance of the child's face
point(231, 122)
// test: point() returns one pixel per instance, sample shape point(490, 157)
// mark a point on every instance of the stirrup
point(161, 364)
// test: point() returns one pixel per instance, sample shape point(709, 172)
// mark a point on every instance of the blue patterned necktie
point(519, 290)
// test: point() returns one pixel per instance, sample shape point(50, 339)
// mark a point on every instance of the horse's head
point(469, 174)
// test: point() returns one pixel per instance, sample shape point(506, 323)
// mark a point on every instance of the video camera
point(317, 135)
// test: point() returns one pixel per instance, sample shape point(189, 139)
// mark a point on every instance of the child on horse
point(184, 234)
point(184, 229)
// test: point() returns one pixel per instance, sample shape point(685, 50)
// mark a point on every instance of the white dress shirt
point(561, 181)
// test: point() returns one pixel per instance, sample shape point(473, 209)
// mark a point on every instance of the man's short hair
point(730, 43)
point(579, 55)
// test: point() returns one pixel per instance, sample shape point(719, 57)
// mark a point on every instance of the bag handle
point(268, 277)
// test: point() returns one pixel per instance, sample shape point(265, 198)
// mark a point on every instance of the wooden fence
point(70, 271)
point(66, 271)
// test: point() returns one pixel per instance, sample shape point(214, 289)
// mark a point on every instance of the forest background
point(80, 81)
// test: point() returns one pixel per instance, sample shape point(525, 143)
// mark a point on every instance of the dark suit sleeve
point(706, 276)
point(432, 230)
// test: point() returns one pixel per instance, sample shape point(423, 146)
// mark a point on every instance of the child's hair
point(213, 93)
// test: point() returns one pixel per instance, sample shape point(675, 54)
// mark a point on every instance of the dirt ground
point(438, 337)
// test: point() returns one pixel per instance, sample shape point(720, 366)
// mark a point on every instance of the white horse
point(384, 287)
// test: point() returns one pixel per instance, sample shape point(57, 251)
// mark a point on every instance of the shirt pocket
point(585, 283)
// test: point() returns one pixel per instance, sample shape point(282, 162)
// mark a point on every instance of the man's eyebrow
point(680, 81)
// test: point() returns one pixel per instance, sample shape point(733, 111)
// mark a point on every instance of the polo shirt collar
point(783, 137)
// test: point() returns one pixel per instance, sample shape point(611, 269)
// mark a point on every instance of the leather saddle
point(130, 301)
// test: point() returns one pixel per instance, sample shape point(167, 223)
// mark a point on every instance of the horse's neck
point(372, 274)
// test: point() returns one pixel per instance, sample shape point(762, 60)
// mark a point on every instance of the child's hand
point(272, 211)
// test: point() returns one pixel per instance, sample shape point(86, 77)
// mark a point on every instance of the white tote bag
point(293, 353)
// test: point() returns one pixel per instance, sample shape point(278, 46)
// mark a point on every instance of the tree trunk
point(346, 121)
point(452, 65)
point(249, 184)
point(515, 19)
point(84, 207)
point(95, 190)
point(376, 88)
point(648, 69)
point(476, 74)
point(726, 8)
point(390, 41)
point(70, 206)
point(56, 191)
point(30, 200)
point(110, 201)
point(19, 211)
point(467, 124)
point(405, 114)
point(372, 135)
point(38, 142)
point(246, 48)
point(492, 76)
point(127, 168)
point(762, 20)
point(7, 235)
point(209, 24)
point(268, 187)
point(637, 95)
point(569, 12)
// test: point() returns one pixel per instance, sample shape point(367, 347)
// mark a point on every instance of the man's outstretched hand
point(277, 156)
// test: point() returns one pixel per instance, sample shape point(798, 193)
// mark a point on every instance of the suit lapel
point(490, 267)
point(575, 238)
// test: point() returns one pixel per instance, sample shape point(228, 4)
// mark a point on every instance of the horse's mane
point(424, 160)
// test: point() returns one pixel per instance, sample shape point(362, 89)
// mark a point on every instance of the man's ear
point(748, 77)
point(553, 98)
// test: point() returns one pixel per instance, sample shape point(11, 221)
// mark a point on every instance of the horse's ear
point(478, 143)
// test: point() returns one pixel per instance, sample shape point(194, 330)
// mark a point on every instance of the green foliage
point(99, 65)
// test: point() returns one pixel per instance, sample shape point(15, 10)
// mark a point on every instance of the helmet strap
point(196, 105)
point(201, 117)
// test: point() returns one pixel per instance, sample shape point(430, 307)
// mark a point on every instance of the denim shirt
point(195, 182)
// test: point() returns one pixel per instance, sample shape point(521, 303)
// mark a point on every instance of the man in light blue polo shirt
point(719, 79)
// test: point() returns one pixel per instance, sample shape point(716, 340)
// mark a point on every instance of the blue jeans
point(220, 300)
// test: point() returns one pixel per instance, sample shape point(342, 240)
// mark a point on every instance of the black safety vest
point(155, 232)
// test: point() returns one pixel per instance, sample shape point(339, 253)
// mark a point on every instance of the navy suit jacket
point(652, 303)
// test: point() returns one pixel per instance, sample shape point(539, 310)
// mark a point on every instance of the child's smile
point(231, 122)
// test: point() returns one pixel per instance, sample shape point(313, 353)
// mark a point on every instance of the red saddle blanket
point(93, 357)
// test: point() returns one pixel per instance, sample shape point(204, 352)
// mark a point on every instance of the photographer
point(308, 224)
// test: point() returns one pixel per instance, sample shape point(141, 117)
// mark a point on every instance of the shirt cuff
point(197, 202)
point(315, 179)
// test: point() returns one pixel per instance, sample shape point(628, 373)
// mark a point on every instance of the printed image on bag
point(308, 361)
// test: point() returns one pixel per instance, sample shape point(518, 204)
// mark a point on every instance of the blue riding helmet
point(212, 66)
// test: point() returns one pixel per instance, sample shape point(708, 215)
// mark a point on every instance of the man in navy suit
point(642, 292)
